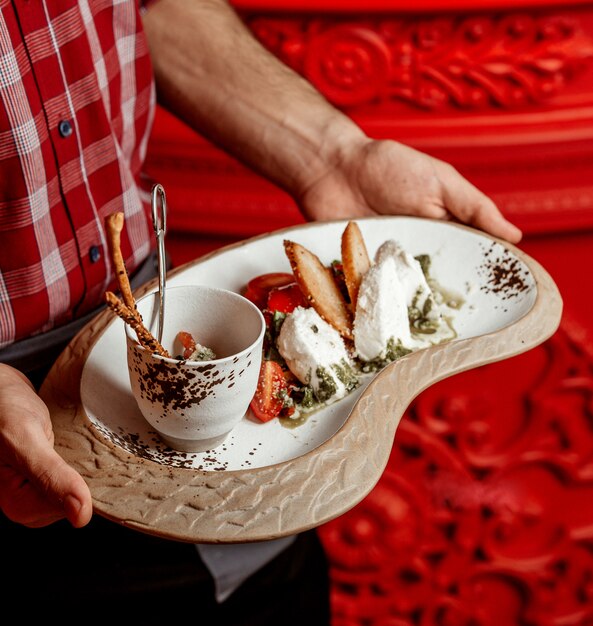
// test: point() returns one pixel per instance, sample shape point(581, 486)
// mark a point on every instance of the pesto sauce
point(449, 298)
point(424, 326)
point(419, 319)
point(294, 422)
point(326, 387)
point(395, 350)
point(304, 409)
point(449, 323)
point(204, 354)
point(346, 375)
point(425, 262)
point(308, 400)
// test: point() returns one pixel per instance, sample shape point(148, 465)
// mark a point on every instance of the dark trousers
point(105, 571)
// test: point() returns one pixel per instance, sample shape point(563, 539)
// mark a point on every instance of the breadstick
point(115, 224)
point(130, 317)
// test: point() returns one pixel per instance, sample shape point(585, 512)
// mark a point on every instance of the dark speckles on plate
point(159, 452)
point(504, 274)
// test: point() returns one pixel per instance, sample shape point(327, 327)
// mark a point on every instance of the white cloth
point(232, 564)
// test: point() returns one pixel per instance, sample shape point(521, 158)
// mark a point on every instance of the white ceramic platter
point(268, 480)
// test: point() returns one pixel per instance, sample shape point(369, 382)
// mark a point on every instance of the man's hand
point(388, 178)
point(37, 487)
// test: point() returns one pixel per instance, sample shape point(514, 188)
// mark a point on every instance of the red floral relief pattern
point(470, 62)
point(484, 515)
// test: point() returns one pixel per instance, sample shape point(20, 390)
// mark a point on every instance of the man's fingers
point(79, 507)
point(65, 487)
point(37, 486)
point(38, 497)
point(22, 503)
point(469, 205)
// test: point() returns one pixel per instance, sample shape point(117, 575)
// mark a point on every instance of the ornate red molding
point(396, 6)
point(474, 63)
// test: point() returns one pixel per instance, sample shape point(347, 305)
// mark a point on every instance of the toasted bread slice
point(319, 287)
point(355, 260)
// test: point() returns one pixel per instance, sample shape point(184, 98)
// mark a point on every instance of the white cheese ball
point(307, 343)
point(414, 285)
point(381, 311)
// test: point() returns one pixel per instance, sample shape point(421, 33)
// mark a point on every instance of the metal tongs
point(159, 220)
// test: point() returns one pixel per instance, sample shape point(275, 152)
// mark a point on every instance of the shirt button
point(65, 128)
point(94, 254)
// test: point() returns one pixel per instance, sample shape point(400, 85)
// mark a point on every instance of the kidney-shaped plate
point(269, 480)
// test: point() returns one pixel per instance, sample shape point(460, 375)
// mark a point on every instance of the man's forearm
point(213, 74)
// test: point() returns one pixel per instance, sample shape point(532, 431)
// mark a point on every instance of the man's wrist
point(336, 144)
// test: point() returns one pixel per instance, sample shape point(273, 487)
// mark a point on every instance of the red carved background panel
point(445, 62)
point(484, 515)
point(485, 512)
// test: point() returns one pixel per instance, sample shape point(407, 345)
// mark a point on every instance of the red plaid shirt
point(76, 107)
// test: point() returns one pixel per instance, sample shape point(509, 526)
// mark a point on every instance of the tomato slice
point(267, 403)
point(258, 288)
point(286, 299)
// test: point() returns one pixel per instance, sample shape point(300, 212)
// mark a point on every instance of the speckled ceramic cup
point(194, 405)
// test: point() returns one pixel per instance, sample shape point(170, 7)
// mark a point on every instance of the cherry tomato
point(187, 342)
point(286, 299)
point(267, 403)
point(259, 287)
